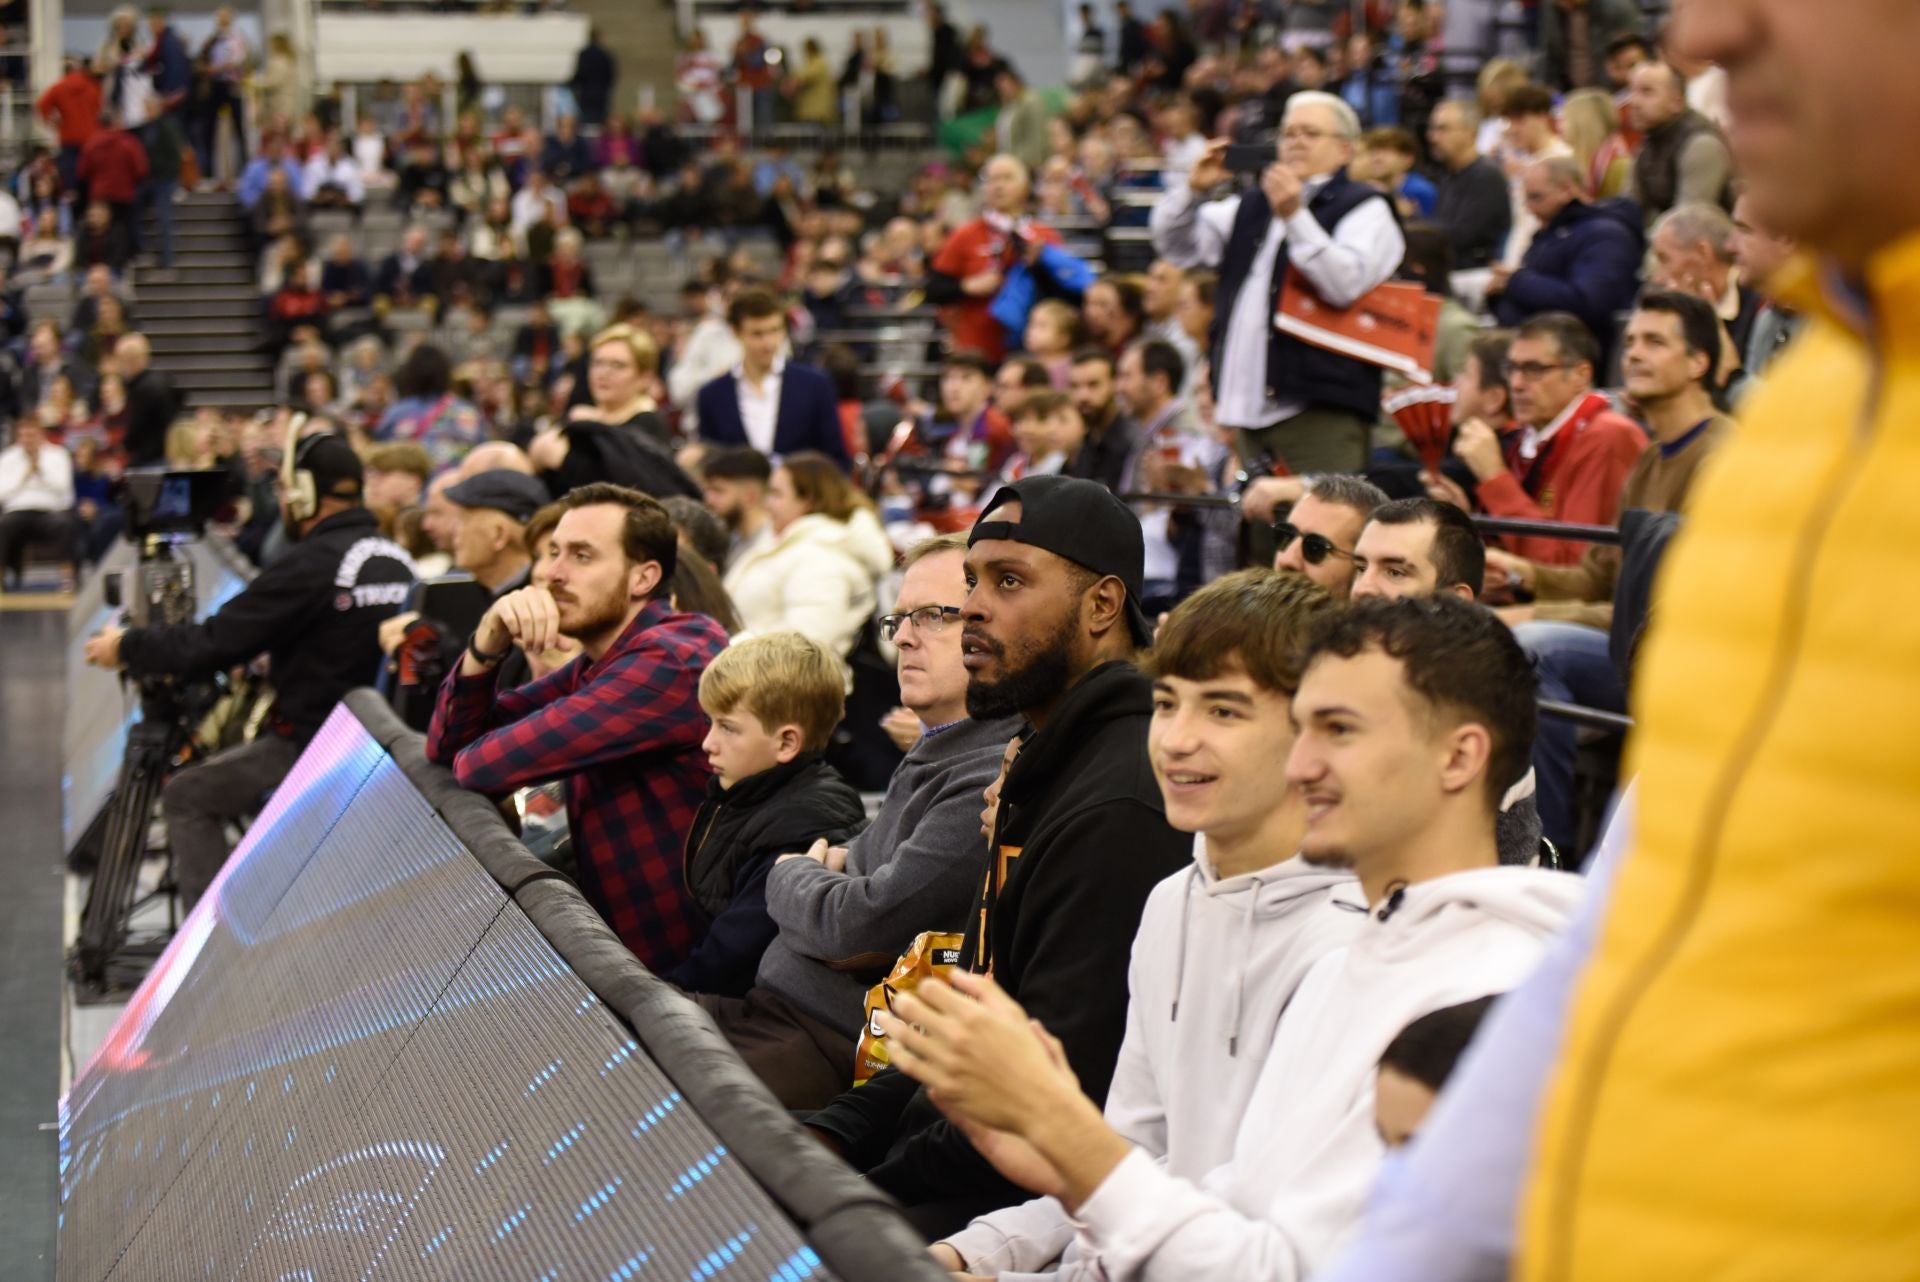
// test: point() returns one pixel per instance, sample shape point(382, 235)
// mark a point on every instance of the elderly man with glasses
point(845, 913)
point(1301, 406)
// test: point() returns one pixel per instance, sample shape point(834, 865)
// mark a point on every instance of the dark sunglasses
point(1314, 548)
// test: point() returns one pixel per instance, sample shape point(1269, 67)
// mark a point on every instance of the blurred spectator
point(1693, 253)
point(1473, 207)
point(1684, 160)
point(273, 158)
point(752, 68)
point(1369, 86)
point(977, 260)
point(101, 242)
point(332, 178)
point(405, 277)
point(112, 166)
point(778, 406)
point(227, 58)
point(36, 503)
point(1112, 436)
point(566, 155)
point(537, 202)
point(1020, 130)
point(699, 79)
point(595, 72)
point(71, 105)
point(428, 413)
point(812, 88)
point(1586, 259)
point(45, 364)
point(1115, 311)
point(1761, 255)
point(1054, 332)
point(167, 65)
point(1385, 159)
point(344, 277)
point(1591, 124)
point(279, 211)
point(152, 404)
point(396, 478)
point(590, 208)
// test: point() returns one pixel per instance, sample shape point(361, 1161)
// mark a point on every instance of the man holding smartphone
point(1303, 406)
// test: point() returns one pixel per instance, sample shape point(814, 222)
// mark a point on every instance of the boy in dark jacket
point(774, 701)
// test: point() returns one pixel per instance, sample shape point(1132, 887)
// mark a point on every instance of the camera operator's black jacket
point(316, 612)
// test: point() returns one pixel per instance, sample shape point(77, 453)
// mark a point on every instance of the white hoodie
point(1214, 963)
point(816, 577)
point(1307, 1151)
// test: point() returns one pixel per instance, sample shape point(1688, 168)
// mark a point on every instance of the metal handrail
point(1592, 718)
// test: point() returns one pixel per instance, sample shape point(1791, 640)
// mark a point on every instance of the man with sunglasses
point(845, 913)
point(1572, 452)
point(1318, 536)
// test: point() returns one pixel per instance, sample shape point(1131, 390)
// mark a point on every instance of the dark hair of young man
point(1253, 620)
point(737, 463)
point(1570, 335)
point(1032, 372)
point(1042, 405)
point(648, 534)
point(1699, 324)
point(1529, 100)
point(752, 304)
point(1088, 355)
point(1459, 659)
point(1427, 1049)
point(1391, 138)
point(1158, 356)
point(1629, 40)
point(971, 360)
point(1459, 557)
point(699, 528)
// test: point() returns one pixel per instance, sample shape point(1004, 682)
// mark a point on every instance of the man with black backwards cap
point(1052, 617)
point(315, 612)
point(491, 511)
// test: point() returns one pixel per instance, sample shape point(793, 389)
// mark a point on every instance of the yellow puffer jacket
point(1739, 1094)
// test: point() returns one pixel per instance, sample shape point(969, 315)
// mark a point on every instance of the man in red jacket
point(1571, 454)
point(71, 105)
point(973, 264)
point(112, 166)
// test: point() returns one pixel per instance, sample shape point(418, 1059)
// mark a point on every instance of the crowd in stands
point(1129, 554)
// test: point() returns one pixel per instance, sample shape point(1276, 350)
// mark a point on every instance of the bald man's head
point(1004, 183)
point(133, 354)
point(492, 456)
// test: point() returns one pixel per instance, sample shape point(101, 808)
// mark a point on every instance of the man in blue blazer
point(777, 406)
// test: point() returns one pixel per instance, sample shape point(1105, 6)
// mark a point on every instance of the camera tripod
point(106, 961)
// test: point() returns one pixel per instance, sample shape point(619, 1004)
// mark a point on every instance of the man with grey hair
point(1303, 406)
point(1475, 205)
point(1584, 260)
point(1316, 537)
point(1693, 248)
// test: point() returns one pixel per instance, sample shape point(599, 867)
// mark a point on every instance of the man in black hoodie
point(1081, 836)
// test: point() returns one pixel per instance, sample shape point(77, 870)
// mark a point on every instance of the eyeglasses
point(1314, 548)
point(930, 619)
point(1534, 369)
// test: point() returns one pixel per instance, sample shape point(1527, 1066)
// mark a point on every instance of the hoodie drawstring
point(1180, 952)
point(1240, 983)
point(1396, 895)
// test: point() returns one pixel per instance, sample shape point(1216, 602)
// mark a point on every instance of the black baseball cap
point(1081, 521)
point(503, 490)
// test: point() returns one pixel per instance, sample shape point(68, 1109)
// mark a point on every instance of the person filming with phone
point(1304, 407)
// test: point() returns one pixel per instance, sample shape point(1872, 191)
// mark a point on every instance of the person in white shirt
point(536, 202)
point(1407, 714)
point(1302, 406)
point(333, 178)
point(36, 501)
point(710, 349)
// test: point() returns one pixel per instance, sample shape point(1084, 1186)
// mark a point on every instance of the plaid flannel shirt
point(624, 734)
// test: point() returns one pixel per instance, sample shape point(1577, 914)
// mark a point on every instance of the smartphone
point(1250, 158)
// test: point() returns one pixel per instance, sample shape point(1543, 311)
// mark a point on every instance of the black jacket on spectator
point(350, 278)
point(152, 405)
point(731, 847)
point(103, 248)
point(1104, 458)
point(629, 454)
point(87, 311)
point(316, 612)
point(1475, 209)
point(594, 72)
point(565, 160)
point(1586, 261)
point(1082, 838)
point(396, 279)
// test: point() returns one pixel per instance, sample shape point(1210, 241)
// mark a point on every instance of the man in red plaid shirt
point(621, 723)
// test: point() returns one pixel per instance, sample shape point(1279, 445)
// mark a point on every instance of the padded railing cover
point(391, 1044)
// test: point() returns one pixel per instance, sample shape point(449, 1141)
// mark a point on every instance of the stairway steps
point(218, 362)
point(205, 324)
point(203, 340)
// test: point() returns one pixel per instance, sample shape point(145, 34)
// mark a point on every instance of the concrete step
point(194, 278)
point(218, 362)
point(186, 306)
point(239, 399)
point(176, 340)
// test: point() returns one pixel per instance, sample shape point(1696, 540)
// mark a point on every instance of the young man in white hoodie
point(1222, 944)
point(1408, 714)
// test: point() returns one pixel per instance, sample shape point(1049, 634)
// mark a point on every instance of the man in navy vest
point(1300, 406)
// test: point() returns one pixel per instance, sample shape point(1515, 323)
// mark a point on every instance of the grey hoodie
point(917, 867)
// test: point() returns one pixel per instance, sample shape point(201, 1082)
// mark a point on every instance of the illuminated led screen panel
point(361, 1060)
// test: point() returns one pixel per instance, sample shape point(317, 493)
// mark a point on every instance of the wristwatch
point(484, 659)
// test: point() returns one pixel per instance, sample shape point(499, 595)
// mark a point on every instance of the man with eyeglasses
point(845, 913)
point(1572, 452)
point(1301, 406)
point(1317, 537)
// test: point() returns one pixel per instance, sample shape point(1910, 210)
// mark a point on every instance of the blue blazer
point(808, 418)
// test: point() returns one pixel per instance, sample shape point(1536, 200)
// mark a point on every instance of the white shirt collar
point(1533, 440)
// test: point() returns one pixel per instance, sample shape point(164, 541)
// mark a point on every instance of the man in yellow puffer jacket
point(1732, 1076)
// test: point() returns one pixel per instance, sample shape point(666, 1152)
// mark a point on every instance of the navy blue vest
point(1296, 371)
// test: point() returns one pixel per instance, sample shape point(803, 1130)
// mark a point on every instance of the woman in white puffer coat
point(818, 570)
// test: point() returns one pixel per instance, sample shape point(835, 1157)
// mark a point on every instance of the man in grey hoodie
point(846, 913)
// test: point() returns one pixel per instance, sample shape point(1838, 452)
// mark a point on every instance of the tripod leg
point(103, 922)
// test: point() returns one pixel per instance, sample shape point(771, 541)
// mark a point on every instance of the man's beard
point(1047, 672)
point(594, 617)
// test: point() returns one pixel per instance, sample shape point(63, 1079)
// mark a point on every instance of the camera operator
point(316, 612)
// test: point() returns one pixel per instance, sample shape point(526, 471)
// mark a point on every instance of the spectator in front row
point(777, 406)
point(621, 726)
point(843, 910)
point(1571, 452)
point(817, 572)
point(1407, 712)
point(36, 502)
point(1052, 615)
point(1223, 944)
point(773, 701)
